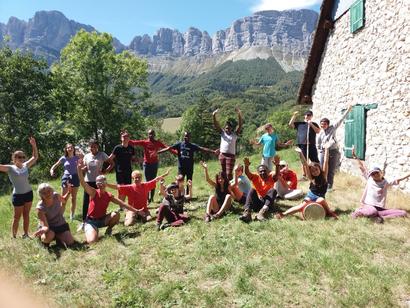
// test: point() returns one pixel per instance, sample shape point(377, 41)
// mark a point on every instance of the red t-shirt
point(137, 195)
point(97, 208)
point(150, 149)
point(290, 176)
point(262, 187)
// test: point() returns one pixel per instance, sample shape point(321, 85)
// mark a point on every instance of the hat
point(100, 179)
point(172, 186)
point(283, 163)
point(374, 169)
point(309, 112)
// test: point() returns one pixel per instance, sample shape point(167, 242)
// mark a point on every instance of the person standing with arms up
point(306, 136)
point(327, 136)
point(22, 197)
point(229, 135)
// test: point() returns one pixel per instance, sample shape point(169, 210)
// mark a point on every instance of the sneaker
point(108, 231)
point(208, 218)
point(164, 226)
point(80, 227)
point(246, 216)
point(261, 216)
point(26, 236)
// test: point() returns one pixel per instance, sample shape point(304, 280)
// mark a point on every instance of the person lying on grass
point(373, 200)
point(317, 187)
point(240, 185)
point(50, 210)
point(137, 194)
point(172, 206)
point(97, 216)
point(221, 200)
point(261, 197)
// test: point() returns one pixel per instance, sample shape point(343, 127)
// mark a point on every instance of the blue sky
point(125, 19)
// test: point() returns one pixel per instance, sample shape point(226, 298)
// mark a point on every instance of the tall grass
point(286, 262)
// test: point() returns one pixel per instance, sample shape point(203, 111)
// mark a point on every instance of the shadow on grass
point(123, 235)
point(58, 247)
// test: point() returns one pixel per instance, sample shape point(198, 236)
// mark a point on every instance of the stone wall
point(371, 66)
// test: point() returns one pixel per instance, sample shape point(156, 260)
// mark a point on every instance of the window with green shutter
point(356, 16)
point(355, 132)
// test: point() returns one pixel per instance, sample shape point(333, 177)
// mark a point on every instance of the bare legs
point(19, 211)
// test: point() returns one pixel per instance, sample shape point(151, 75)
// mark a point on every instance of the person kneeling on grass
point(137, 194)
point(373, 200)
point(97, 216)
point(261, 197)
point(317, 187)
point(50, 212)
point(221, 201)
point(172, 207)
point(240, 185)
point(286, 186)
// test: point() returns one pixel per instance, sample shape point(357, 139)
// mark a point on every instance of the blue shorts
point(72, 179)
point(21, 199)
point(312, 197)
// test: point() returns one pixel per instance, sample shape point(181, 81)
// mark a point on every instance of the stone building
point(361, 55)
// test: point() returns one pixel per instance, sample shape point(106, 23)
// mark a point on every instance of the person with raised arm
point(306, 136)
point(70, 176)
point(185, 152)
point(221, 200)
point(229, 136)
point(317, 188)
point(22, 197)
point(261, 197)
point(137, 194)
point(373, 200)
point(50, 212)
point(270, 142)
point(240, 185)
point(326, 135)
point(100, 198)
point(151, 147)
point(287, 183)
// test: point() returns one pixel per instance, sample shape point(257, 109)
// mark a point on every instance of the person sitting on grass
point(261, 197)
point(240, 185)
point(286, 186)
point(97, 216)
point(137, 194)
point(373, 200)
point(221, 200)
point(317, 187)
point(50, 210)
point(172, 207)
point(181, 188)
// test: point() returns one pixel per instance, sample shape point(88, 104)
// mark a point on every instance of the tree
point(24, 101)
point(100, 89)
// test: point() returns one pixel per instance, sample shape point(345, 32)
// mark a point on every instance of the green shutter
point(355, 132)
point(356, 16)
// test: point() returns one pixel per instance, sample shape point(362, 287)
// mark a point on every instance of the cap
point(374, 169)
point(100, 179)
point(171, 186)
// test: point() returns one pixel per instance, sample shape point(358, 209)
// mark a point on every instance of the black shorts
point(21, 199)
point(72, 179)
point(97, 223)
point(60, 229)
point(123, 177)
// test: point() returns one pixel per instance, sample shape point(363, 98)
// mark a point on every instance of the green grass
point(226, 262)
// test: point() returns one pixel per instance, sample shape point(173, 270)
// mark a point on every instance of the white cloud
point(280, 5)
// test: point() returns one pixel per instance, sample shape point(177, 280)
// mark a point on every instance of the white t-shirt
point(94, 165)
point(228, 143)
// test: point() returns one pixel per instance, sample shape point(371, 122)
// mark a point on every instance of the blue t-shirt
point(69, 164)
point(269, 144)
point(186, 152)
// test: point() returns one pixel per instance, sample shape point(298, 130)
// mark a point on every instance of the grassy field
point(286, 262)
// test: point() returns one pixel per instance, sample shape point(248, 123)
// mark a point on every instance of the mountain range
point(286, 36)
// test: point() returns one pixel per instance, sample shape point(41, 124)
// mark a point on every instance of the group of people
point(256, 191)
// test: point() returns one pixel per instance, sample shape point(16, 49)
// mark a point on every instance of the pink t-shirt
point(375, 192)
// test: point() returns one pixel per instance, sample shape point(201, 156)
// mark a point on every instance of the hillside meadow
point(282, 263)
